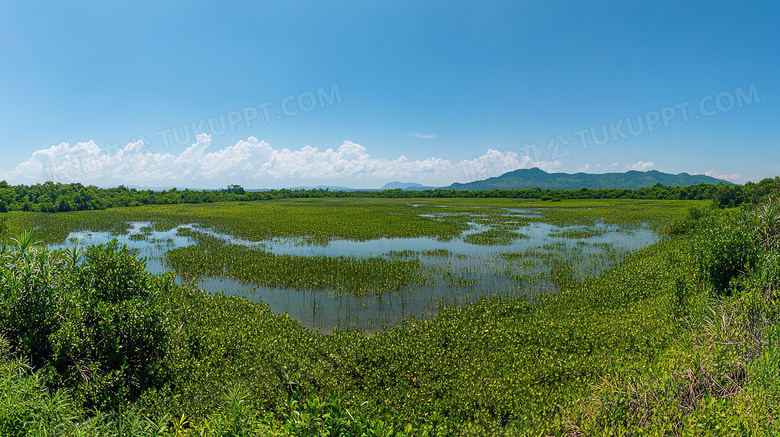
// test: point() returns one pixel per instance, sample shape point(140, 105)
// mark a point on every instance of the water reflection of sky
point(482, 267)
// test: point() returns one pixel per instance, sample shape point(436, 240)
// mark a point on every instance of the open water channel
point(464, 273)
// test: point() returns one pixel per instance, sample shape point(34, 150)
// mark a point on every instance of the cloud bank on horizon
point(256, 164)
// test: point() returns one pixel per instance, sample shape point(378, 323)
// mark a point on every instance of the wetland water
point(458, 271)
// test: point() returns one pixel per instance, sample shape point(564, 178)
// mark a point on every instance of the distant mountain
point(536, 178)
point(140, 188)
point(412, 186)
point(331, 188)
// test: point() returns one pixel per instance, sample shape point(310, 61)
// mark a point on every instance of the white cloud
point(615, 164)
point(495, 163)
point(252, 163)
point(726, 177)
point(640, 166)
point(419, 135)
point(547, 166)
point(586, 167)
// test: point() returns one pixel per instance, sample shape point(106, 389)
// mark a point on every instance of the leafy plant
point(729, 249)
point(768, 223)
point(24, 241)
point(97, 328)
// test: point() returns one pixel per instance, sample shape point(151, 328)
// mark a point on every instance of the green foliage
point(113, 329)
point(729, 196)
point(695, 219)
point(353, 275)
point(328, 417)
point(437, 253)
point(768, 224)
point(729, 249)
point(24, 241)
point(52, 197)
point(96, 326)
point(366, 219)
point(721, 376)
point(493, 237)
point(25, 405)
point(29, 407)
point(752, 193)
point(28, 306)
point(634, 350)
point(763, 370)
point(579, 233)
point(220, 341)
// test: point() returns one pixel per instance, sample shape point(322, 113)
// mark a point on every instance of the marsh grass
point(351, 219)
point(579, 233)
point(214, 257)
point(701, 382)
point(768, 223)
point(642, 348)
point(493, 237)
point(437, 253)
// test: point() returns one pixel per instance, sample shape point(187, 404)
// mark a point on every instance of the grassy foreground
point(678, 339)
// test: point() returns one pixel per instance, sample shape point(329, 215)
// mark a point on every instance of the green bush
point(729, 249)
point(695, 219)
point(28, 308)
point(96, 325)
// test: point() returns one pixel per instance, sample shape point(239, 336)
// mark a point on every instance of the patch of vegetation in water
point(579, 233)
point(493, 237)
point(406, 253)
point(164, 225)
point(437, 253)
point(358, 276)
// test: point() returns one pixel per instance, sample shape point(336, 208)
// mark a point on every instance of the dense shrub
point(729, 249)
point(695, 219)
point(94, 321)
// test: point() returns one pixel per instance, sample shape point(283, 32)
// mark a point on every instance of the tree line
point(54, 197)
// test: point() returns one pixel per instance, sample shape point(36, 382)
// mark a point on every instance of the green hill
point(536, 178)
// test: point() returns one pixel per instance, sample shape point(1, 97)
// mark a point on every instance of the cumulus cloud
point(495, 163)
point(615, 164)
point(640, 166)
point(726, 177)
point(548, 166)
point(586, 167)
point(419, 135)
point(253, 163)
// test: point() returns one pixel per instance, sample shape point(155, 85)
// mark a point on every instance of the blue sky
point(273, 94)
